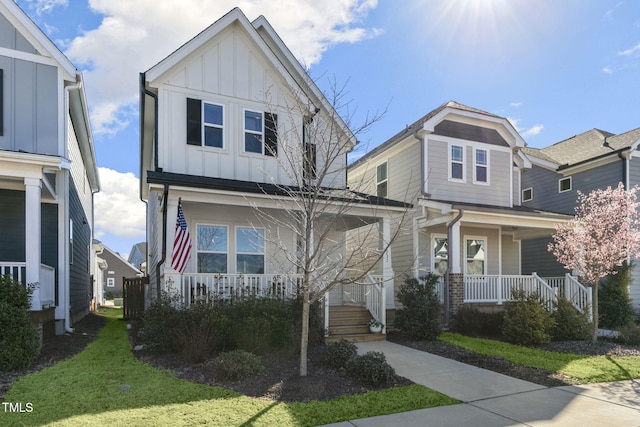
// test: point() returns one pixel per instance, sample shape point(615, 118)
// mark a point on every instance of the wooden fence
point(133, 293)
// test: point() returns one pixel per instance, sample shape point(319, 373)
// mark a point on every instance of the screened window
point(250, 250)
point(440, 256)
point(476, 256)
point(381, 180)
point(564, 185)
point(212, 248)
point(457, 162)
point(482, 166)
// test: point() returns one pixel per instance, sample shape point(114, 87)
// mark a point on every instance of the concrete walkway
point(493, 399)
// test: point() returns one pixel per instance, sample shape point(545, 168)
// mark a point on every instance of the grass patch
point(105, 385)
point(583, 369)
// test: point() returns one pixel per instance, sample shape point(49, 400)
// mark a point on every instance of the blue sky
point(554, 68)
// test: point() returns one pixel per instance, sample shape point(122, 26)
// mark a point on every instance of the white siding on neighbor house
point(497, 193)
point(230, 71)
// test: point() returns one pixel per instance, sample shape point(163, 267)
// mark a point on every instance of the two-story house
point(585, 162)
point(48, 173)
point(463, 168)
point(222, 119)
point(114, 269)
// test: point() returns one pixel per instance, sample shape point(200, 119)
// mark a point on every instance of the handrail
point(376, 299)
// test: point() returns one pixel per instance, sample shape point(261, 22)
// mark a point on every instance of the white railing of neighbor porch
point(375, 296)
point(570, 288)
point(200, 286)
point(18, 270)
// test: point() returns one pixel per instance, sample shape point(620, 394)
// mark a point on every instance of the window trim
point(205, 124)
point(523, 192)
point(238, 252)
point(71, 241)
point(195, 118)
point(486, 256)
point(451, 162)
point(435, 258)
point(476, 166)
point(253, 132)
point(384, 181)
point(198, 250)
point(568, 178)
point(111, 280)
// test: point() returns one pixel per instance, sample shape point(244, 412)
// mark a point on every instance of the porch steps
point(350, 323)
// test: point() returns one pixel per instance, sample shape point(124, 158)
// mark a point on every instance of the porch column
point(454, 249)
point(387, 267)
point(33, 190)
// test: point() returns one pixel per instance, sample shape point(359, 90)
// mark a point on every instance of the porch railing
point(497, 289)
point(18, 270)
point(199, 286)
point(375, 299)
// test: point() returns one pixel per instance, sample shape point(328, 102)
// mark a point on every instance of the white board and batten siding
point(231, 71)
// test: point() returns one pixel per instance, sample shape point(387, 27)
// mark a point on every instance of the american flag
point(181, 243)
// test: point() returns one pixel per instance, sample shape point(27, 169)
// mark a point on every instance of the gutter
point(143, 92)
point(447, 298)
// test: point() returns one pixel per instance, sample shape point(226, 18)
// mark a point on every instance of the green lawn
point(106, 385)
point(583, 369)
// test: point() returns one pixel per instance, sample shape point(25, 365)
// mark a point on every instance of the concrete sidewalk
point(493, 399)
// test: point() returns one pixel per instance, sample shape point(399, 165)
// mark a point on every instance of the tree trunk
point(304, 336)
point(594, 337)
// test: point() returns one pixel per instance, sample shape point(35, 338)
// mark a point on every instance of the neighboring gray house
point(585, 162)
point(48, 172)
point(462, 168)
point(117, 267)
point(138, 256)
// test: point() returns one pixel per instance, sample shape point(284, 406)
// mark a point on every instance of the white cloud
point(118, 209)
point(524, 132)
point(630, 51)
point(46, 6)
point(515, 104)
point(608, 69)
point(135, 35)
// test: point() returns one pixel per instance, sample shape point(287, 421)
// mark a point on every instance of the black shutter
point(1, 102)
point(310, 161)
point(271, 134)
point(194, 121)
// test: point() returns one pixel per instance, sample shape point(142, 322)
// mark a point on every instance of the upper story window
point(456, 163)
point(205, 124)
point(260, 133)
point(564, 184)
point(212, 248)
point(481, 170)
point(310, 156)
point(382, 180)
point(527, 194)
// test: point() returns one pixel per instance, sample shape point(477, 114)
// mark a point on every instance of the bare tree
point(315, 203)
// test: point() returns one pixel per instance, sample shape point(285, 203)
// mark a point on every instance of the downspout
point(165, 201)
point(144, 91)
point(423, 173)
point(625, 162)
point(447, 298)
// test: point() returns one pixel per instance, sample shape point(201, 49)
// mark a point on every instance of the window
point(111, 282)
point(481, 170)
point(440, 256)
point(310, 158)
point(212, 248)
point(564, 184)
point(476, 256)
point(204, 124)
point(70, 241)
point(249, 250)
point(456, 163)
point(527, 194)
point(260, 133)
point(381, 180)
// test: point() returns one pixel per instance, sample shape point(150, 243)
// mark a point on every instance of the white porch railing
point(375, 297)
point(18, 270)
point(200, 286)
point(497, 289)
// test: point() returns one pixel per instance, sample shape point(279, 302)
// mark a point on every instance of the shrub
point(614, 304)
point(469, 320)
point(526, 321)
point(236, 365)
point(198, 331)
point(371, 368)
point(570, 323)
point(337, 354)
point(419, 316)
point(19, 342)
point(159, 325)
point(629, 334)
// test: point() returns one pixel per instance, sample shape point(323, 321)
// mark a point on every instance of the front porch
point(43, 296)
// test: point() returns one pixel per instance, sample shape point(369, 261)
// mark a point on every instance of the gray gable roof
point(586, 146)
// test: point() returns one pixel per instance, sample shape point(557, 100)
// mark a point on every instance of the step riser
point(346, 330)
point(357, 338)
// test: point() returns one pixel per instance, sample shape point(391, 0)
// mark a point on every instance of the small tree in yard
point(603, 235)
point(316, 205)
